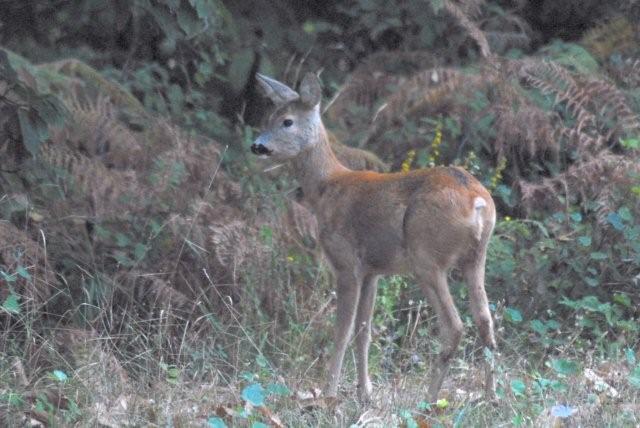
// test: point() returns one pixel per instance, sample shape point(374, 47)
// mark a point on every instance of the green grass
point(164, 372)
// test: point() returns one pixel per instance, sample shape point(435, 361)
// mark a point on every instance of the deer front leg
point(363, 335)
point(348, 295)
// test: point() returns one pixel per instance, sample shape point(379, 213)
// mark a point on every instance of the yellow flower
point(406, 164)
point(435, 144)
point(496, 178)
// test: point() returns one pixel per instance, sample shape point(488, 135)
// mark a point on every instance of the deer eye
point(287, 123)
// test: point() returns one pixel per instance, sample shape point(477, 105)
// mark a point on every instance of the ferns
point(26, 262)
point(597, 179)
point(523, 110)
point(465, 22)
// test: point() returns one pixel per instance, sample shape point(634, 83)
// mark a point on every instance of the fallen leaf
point(272, 419)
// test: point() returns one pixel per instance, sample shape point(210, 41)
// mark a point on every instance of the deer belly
point(382, 250)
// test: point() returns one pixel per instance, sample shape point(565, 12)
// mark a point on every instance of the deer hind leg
point(474, 276)
point(348, 295)
point(363, 335)
point(436, 289)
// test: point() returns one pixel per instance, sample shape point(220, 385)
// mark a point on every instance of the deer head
point(295, 125)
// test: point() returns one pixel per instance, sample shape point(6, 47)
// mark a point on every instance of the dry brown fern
point(626, 72)
point(182, 165)
point(429, 89)
point(463, 19)
point(92, 83)
point(156, 293)
point(374, 79)
point(95, 131)
point(514, 142)
point(602, 179)
point(26, 261)
point(600, 112)
point(508, 30)
point(102, 192)
point(617, 35)
point(612, 107)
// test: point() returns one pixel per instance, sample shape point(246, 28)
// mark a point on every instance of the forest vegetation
point(154, 273)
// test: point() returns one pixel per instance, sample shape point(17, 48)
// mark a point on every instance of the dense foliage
point(153, 273)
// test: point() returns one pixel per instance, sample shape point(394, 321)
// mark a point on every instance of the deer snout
point(260, 149)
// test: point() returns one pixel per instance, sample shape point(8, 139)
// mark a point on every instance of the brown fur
point(422, 223)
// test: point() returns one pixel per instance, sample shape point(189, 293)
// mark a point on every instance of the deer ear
point(310, 90)
point(277, 92)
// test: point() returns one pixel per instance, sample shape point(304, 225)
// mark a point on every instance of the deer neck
point(316, 165)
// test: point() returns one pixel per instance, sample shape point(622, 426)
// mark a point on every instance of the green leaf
point(631, 143)
point(33, 130)
point(122, 240)
point(539, 327)
point(562, 411)
point(437, 5)
point(241, 62)
point(630, 356)
point(278, 389)
point(625, 214)
point(512, 315)
point(518, 420)
point(442, 403)
point(553, 325)
point(518, 387)
point(597, 255)
point(266, 233)
point(591, 282)
point(189, 21)
point(206, 9)
point(7, 72)
point(615, 220)
point(262, 361)
point(23, 272)
point(634, 377)
point(140, 251)
point(12, 398)
point(622, 299)
point(59, 375)
point(585, 241)
point(7, 277)
point(215, 422)
point(12, 304)
point(176, 99)
point(259, 425)
point(173, 373)
point(423, 406)
point(565, 367)
point(254, 394)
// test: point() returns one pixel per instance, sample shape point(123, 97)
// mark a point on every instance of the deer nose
point(259, 149)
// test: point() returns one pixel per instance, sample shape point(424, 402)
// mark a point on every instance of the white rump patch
point(479, 202)
point(477, 217)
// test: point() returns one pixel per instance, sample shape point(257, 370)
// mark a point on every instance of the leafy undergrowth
point(90, 383)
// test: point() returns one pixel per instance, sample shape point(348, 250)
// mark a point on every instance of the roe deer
point(423, 222)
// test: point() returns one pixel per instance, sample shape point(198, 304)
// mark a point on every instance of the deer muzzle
point(259, 149)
